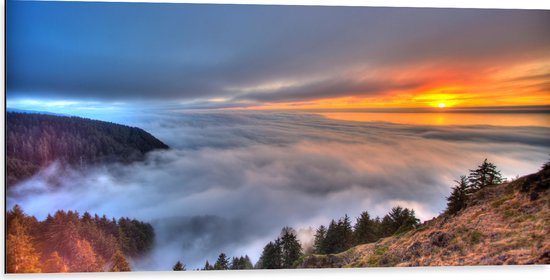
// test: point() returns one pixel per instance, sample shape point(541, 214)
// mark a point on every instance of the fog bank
point(232, 180)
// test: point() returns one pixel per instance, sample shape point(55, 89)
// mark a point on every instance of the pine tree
point(319, 243)
point(291, 250)
point(271, 256)
point(84, 259)
point(179, 266)
point(247, 264)
point(404, 219)
point(410, 221)
point(119, 263)
point(222, 263)
point(364, 230)
point(387, 226)
point(332, 238)
point(377, 227)
point(235, 264)
point(398, 220)
point(207, 266)
point(345, 231)
point(20, 252)
point(459, 195)
point(486, 174)
point(55, 264)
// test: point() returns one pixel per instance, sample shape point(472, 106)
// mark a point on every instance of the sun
point(441, 105)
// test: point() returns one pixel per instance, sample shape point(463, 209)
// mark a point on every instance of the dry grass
point(501, 226)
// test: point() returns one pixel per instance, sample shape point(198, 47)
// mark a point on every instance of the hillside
point(36, 140)
point(69, 242)
point(501, 224)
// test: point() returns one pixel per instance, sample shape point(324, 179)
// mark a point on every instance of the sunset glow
point(172, 136)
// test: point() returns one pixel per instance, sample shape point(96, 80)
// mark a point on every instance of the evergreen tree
point(339, 236)
point(332, 239)
point(459, 195)
point(486, 174)
point(271, 256)
point(66, 242)
point(364, 230)
point(398, 220)
point(222, 263)
point(247, 264)
point(291, 250)
point(179, 266)
point(119, 263)
point(377, 227)
point(239, 263)
point(345, 231)
point(84, 258)
point(21, 254)
point(404, 219)
point(235, 264)
point(207, 266)
point(387, 226)
point(319, 243)
point(55, 264)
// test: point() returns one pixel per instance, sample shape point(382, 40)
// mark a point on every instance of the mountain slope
point(502, 224)
point(35, 140)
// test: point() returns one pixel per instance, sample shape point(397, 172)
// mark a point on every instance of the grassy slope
point(501, 225)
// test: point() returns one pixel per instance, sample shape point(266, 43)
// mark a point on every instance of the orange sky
point(502, 84)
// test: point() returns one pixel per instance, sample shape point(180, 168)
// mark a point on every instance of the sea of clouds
point(232, 180)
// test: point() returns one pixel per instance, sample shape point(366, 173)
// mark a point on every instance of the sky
point(86, 56)
point(234, 177)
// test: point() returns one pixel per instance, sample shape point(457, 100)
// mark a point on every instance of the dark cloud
point(331, 88)
point(136, 51)
point(232, 180)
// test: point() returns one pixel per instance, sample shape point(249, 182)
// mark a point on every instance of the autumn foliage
point(68, 242)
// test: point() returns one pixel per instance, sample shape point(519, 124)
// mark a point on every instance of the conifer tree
point(55, 264)
point(271, 256)
point(235, 264)
point(486, 174)
point(459, 195)
point(319, 242)
point(20, 252)
point(247, 263)
point(377, 227)
point(332, 238)
point(207, 266)
point(119, 263)
point(291, 250)
point(222, 263)
point(84, 258)
point(398, 220)
point(364, 230)
point(179, 266)
point(346, 233)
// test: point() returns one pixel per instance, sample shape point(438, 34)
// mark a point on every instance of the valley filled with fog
point(232, 179)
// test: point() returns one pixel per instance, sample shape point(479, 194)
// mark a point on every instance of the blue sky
point(210, 56)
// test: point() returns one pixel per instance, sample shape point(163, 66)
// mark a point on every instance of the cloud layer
point(234, 179)
point(249, 55)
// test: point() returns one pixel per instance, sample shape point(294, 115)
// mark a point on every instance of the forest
point(36, 140)
point(286, 251)
point(70, 242)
